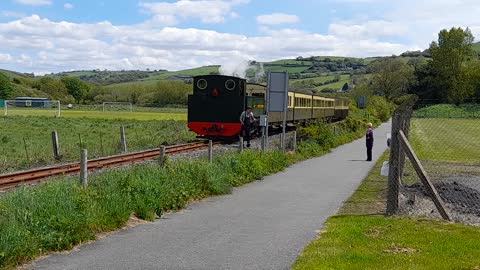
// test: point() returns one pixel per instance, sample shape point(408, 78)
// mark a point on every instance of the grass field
point(446, 139)
point(173, 114)
point(26, 141)
point(361, 238)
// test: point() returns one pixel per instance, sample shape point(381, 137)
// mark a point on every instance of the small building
point(32, 102)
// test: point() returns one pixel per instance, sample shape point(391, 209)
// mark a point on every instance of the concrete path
point(262, 225)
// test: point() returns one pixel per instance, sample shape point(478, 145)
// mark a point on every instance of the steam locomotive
point(217, 101)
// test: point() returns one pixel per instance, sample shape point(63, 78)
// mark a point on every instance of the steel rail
point(13, 179)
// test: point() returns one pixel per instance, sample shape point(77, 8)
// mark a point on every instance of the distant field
point(179, 115)
point(26, 141)
point(322, 79)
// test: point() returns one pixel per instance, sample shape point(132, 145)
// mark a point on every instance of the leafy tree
point(53, 87)
point(76, 87)
point(449, 56)
point(391, 77)
point(6, 87)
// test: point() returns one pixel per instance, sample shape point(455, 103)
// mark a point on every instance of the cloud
point(47, 45)
point(277, 18)
point(34, 2)
point(207, 11)
point(67, 6)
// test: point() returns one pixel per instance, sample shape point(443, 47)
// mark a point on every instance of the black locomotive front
point(216, 104)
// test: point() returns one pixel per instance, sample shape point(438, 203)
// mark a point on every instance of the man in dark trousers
point(247, 120)
point(369, 140)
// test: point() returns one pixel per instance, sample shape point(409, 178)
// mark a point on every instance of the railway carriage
point(217, 101)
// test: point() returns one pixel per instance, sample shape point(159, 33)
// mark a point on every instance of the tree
point(449, 57)
point(6, 87)
point(391, 77)
point(76, 87)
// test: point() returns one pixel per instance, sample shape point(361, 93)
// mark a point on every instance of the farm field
point(26, 141)
point(173, 114)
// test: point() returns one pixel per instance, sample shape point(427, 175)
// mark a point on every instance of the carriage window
point(202, 84)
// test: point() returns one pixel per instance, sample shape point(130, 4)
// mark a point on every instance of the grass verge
point(359, 237)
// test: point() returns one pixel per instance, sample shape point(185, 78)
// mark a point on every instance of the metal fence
point(434, 166)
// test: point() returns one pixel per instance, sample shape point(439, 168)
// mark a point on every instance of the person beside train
point(247, 120)
point(369, 141)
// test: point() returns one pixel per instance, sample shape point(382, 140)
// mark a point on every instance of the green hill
point(476, 47)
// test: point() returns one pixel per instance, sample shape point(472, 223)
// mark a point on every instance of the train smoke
point(235, 68)
point(239, 69)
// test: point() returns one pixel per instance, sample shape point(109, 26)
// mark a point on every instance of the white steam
point(237, 68)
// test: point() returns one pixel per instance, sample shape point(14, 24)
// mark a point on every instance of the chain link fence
point(434, 170)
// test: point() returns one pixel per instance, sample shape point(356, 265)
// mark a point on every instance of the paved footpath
point(262, 225)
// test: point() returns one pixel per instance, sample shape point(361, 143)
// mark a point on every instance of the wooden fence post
point(210, 151)
point(241, 144)
point(422, 174)
point(161, 159)
point(123, 139)
point(56, 147)
point(294, 143)
point(393, 177)
point(84, 168)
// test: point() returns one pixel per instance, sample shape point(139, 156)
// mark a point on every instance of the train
point(217, 101)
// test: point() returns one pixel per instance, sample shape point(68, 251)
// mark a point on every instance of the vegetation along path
point(263, 225)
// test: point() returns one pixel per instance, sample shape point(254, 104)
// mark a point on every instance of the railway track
point(14, 179)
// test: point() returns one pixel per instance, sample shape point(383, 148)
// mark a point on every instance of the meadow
point(26, 140)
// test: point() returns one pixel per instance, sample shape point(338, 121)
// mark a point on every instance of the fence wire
point(448, 148)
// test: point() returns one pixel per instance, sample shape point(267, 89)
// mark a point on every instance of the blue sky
point(43, 36)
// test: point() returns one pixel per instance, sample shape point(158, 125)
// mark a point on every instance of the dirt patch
point(461, 195)
point(397, 249)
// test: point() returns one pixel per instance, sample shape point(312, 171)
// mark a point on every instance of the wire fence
point(434, 166)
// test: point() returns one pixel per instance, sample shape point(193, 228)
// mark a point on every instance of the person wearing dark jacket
point(247, 120)
point(369, 141)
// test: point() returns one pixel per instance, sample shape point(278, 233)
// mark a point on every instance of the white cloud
point(67, 6)
point(277, 18)
point(5, 57)
point(57, 46)
point(207, 11)
point(34, 2)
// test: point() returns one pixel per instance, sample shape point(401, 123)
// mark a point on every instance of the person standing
point(247, 120)
point(369, 141)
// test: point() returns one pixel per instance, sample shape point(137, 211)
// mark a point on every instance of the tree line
point(450, 75)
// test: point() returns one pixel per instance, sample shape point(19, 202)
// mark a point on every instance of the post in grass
point(56, 147)
point(161, 158)
point(84, 168)
point(210, 151)
point(123, 139)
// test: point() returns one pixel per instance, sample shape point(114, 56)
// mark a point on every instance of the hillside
point(321, 74)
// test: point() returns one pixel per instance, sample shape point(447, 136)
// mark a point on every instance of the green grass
point(336, 86)
point(321, 79)
point(360, 238)
point(137, 115)
point(446, 140)
point(449, 111)
point(366, 242)
point(99, 136)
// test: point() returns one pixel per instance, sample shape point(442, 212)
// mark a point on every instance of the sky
point(44, 36)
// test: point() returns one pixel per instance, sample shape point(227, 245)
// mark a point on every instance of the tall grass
point(26, 141)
